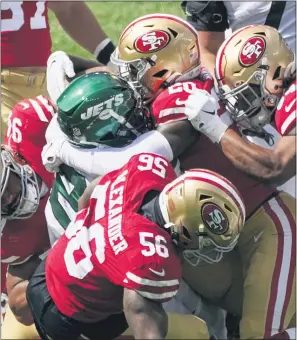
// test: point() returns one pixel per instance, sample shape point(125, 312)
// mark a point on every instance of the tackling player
point(118, 258)
point(154, 62)
point(25, 186)
point(83, 97)
point(26, 136)
point(264, 92)
point(25, 26)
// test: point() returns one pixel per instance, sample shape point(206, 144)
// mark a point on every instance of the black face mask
point(150, 208)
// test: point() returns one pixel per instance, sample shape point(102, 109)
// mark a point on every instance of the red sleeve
point(285, 115)
point(169, 106)
point(27, 124)
point(150, 265)
point(22, 239)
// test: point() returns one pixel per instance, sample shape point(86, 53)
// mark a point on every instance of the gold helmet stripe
point(221, 51)
point(212, 178)
point(222, 183)
point(164, 16)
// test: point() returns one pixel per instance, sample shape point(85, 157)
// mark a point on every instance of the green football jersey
point(62, 205)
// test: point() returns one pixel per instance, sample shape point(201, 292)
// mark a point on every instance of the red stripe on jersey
point(292, 262)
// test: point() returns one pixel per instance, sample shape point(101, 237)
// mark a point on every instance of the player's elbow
point(276, 174)
point(18, 304)
point(26, 320)
point(146, 318)
point(21, 310)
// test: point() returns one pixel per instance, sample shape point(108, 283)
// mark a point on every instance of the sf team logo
point(152, 41)
point(252, 51)
point(214, 218)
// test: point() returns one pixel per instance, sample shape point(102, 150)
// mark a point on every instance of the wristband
point(104, 50)
point(215, 129)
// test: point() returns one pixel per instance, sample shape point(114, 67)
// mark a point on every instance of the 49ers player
point(118, 259)
point(24, 25)
point(256, 77)
point(25, 185)
point(151, 54)
point(263, 92)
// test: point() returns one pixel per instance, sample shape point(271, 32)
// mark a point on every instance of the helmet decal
point(214, 218)
point(152, 41)
point(252, 51)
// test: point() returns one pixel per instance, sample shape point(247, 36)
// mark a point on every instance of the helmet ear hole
point(186, 233)
point(204, 197)
point(276, 73)
point(174, 33)
point(227, 207)
point(160, 74)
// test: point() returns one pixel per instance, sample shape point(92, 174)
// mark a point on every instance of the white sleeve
point(53, 131)
point(98, 161)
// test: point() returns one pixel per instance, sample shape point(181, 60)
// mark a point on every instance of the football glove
point(59, 66)
point(51, 155)
point(201, 110)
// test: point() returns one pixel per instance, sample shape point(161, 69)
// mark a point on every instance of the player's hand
point(59, 66)
point(201, 110)
point(51, 155)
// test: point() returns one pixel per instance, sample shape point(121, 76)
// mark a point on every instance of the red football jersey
point(27, 124)
point(169, 107)
point(21, 239)
point(25, 33)
point(285, 115)
point(110, 246)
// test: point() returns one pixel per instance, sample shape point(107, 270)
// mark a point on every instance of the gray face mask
point(29, 196)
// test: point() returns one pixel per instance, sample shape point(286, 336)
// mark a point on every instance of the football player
point(23, 271)
point(107, 113)
point(118, 259)
point(258, 87)
point(26, 135)
point(149, 54)
point(256, 76)
point(25, 186)
point(74, 104)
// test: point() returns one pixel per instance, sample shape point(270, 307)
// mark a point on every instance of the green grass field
point(113, 17)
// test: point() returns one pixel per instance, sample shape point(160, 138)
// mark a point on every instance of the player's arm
point(100, 161)
point(147, 319)
point(88, 33)
point(81, 65)
point(17, 281)
point(210, 20)
point(271, 166)
point(83, 201)
point(180, 135)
